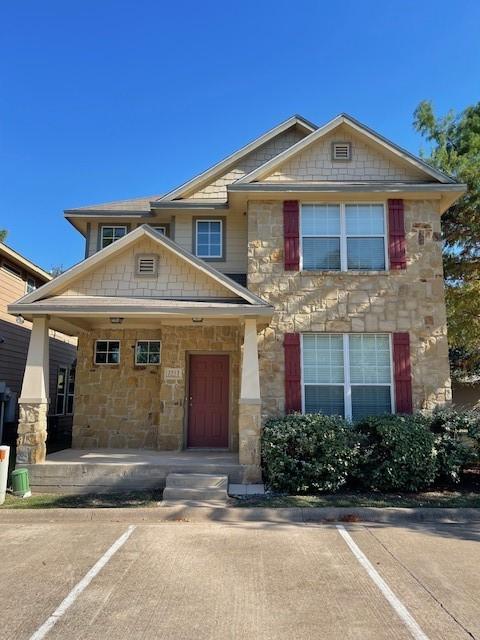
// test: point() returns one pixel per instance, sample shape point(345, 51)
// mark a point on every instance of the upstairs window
point(162, 230)
point(30, 284)
point(209, 239)
point(343, 237)
point(347, 374)
point(112, 233)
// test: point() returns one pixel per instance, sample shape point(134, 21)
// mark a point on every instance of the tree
point(455, 149)
point(56, 270)
point(3, 235)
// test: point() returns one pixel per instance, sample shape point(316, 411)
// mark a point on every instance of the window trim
point(148, 364)
point(222, 220)
point(346, 384)
point(107, 364)
point(343, 237)
point(109, 226)
point(31, 279)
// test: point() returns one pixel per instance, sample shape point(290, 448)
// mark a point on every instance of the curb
point(231, 515)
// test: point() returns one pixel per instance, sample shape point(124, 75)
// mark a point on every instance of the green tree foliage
point(3, 235)
point(455, 149)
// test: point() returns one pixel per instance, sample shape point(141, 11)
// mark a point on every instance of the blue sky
point(109, 99)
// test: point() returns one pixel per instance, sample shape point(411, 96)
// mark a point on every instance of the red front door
point(208, 401)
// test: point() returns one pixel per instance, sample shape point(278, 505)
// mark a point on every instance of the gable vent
point(341, 151)
point(147, 265)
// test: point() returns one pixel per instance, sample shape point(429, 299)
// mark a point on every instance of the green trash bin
point(20, 484)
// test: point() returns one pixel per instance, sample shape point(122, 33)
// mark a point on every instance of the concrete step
point(196, 481)
point(199, 488)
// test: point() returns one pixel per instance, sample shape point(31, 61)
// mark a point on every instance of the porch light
point(197, 319)
point(116, 320)
point(19, 319)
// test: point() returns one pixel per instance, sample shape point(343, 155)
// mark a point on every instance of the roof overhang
point(13, 255)
point(447, 194)
point(189, 205)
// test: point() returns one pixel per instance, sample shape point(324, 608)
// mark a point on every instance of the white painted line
point(399, 608)
point(42, 631)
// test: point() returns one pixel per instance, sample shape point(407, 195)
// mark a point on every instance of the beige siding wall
point(175, 277)
point(127, 405)
point(217, 189)
point(368, 163)
point(411, 300)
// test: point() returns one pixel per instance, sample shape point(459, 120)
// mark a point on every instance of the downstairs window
point(347, 374)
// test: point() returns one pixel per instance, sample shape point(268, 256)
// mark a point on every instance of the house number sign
point(173, 373)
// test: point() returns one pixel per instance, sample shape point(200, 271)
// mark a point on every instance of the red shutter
point(293, 397)
point(396, 235)
point(291, 235)
point(402, 370)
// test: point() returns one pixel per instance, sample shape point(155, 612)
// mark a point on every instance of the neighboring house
point(301, 273)
point(19, 276)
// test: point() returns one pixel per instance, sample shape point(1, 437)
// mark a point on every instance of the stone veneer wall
point(133, 406)
point(409, 300)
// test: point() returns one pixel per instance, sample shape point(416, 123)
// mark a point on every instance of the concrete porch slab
point(111, 470)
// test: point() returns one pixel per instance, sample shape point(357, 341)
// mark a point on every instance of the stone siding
point(133, 406)
point(409, 300)
point(368, 162)
point(175, 277)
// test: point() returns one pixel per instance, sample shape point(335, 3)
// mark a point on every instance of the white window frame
point(149, 364)
point(162, 227)
point(30, 284)
point(111, 226)
point(211, 257)
point(346, 384)
point(343, 237)
point(107, 364)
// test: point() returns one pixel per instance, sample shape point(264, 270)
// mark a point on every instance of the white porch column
point(249, 426)
point(33, 402)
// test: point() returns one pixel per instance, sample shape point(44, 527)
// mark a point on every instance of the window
point(65, 390)
point(107, 352)
point(162, 230)
point(110, 234)
point(147, 352)
point(13, 269)
point(208, 239)
point(30, 285)
point(341, 151)
point(146, 265)
point(349, 374)
point(343, 237)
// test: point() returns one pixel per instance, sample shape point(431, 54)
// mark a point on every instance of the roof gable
point(221, 170)
point(104, 263)
point(400, 164)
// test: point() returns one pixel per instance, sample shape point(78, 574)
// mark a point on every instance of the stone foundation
point(406, 300)
point(32, 433)
point(135, 406)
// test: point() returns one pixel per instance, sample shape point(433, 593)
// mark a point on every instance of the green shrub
point(307, 453)
point(396, 453)
point(449, 428)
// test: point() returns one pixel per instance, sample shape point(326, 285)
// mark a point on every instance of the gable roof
point(8, 252)
point(402, 154)
point(61, 281)
point(223, 165)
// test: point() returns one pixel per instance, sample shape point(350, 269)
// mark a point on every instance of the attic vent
point(341, 151)
point(147, 265)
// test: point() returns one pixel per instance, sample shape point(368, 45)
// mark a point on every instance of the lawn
point(85, 501)
point(447, 499)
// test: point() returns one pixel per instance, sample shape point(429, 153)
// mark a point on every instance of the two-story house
point(301, 273)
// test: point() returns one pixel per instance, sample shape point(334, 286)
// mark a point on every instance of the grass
point(85, 501)
point(446, 499)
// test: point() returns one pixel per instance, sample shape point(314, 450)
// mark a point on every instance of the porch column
point(33, 402)
point(249, 426)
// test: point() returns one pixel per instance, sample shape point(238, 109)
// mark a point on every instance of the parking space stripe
point(399, 608)
point(42, 631)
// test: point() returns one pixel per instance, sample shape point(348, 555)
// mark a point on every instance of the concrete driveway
point(187, 581)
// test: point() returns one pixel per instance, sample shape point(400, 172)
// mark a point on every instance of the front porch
point(116, 470)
